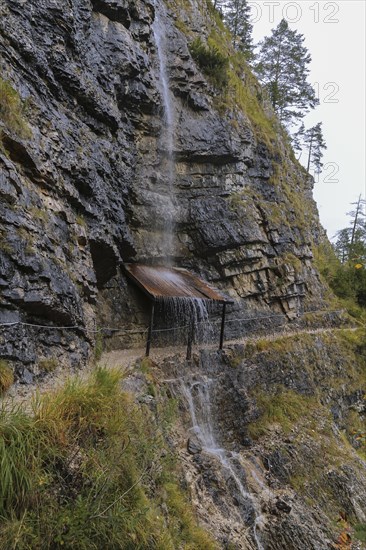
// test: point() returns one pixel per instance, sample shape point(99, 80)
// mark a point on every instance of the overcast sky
point(335, 37)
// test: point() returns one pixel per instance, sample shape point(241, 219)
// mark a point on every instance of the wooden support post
point(149, 334)
point(222, 326)
point(190, 340)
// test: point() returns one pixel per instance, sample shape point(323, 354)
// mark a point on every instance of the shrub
point(347, 283)
point(213, 63)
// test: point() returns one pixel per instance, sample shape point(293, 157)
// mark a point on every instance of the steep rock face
point(282, 423)
point(88, 190)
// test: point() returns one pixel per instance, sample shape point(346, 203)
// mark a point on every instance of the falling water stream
point(197, 392)
point(192, 314)
point(186, 310)
point(166, 135)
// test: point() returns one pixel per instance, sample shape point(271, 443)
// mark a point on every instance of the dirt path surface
point(126, 358)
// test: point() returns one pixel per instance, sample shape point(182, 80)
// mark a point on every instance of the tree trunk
point(355, 222)
point(310, 151)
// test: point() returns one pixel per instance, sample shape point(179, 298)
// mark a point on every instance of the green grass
point(99, 346)
point(85, 471)
point(285, 407)
point(6, 377)
point(360, 531)
point(48, 365)
point(244, 95)
point(39, 214)
point(80, 220)
point(183, 522)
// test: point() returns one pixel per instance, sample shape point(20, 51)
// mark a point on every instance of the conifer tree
point(349, 281)
point(351, 241)
point(237, 17)
point(358, 225)
point(313, 141)
point(342, 244)
point(283, 69)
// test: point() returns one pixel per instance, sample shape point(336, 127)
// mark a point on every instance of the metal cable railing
point(168, 329)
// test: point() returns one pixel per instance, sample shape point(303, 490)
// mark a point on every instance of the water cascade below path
point(197, 391)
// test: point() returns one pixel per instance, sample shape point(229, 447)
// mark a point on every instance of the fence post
point(149, 334)
point(222, 325)
point(190, 340)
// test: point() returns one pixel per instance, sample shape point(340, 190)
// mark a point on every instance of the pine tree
point(283, 69)
point(297, 139)
point(358, 226)
point(349, 280)
point(313, 141)
point(342, 244)
point(351, 241)
point(237, 17)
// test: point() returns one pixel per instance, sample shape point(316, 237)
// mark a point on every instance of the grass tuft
point(285, 407)
point(85, 470)
point(48, 364)
point(360, 531)
point(6, 377)
point(12, 110)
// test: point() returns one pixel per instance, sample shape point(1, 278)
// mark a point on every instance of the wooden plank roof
point(160, 282)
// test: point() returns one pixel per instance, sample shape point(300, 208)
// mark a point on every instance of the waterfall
point(188, 310)
point(190, 313)
point(197, 391)
point(166, 137)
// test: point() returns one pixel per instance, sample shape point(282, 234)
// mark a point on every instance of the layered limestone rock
point(87, 190)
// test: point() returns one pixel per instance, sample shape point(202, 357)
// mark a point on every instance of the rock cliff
point(84, 188)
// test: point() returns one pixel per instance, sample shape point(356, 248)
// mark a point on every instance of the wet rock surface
point(86, 192)
point(301, 473)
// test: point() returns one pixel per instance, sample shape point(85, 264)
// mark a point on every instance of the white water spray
point(197, 394)
point(192, 314)
point(190, 310)
point(166, 137)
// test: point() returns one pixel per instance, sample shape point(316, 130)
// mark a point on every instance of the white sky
point(335, 37)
